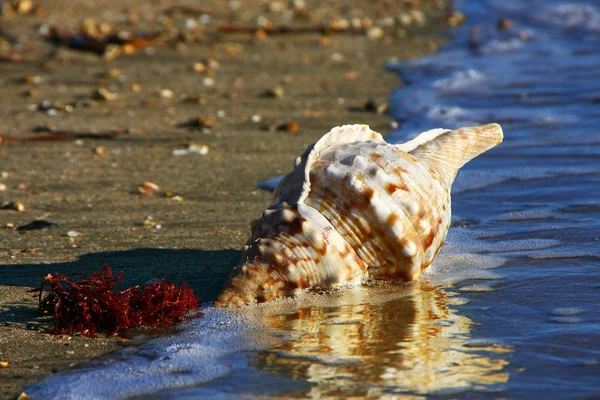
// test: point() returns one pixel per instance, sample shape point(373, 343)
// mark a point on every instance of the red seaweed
point(90, 304)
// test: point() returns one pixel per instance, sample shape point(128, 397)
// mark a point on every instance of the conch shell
point(354, 207)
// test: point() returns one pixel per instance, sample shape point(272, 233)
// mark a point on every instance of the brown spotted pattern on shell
point(354, 207)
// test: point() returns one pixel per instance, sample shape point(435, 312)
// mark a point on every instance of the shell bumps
point(354, 207)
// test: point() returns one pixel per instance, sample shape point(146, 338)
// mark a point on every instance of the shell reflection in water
point(412, 344)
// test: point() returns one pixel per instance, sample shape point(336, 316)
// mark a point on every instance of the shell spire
point(448, 151)
point(354, 207)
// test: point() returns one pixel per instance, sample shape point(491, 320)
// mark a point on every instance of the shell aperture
point(355, 207)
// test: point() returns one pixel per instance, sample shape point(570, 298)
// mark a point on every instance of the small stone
point(379, 108)
point(504, 24)
point(104, 94)
point(256, 118)
point(337, 57)
point(3, 187)
point(204, 121)
point(276, 92)
point(13, 205)
point(33, 79)
point(73, 234)
point(405, 19)
point(113, 73)
point(456, 18)
point(150, 186)
point(200, 67)
point(198, 149)
point(112, 51)
point(418, 17)
point(173, 196)
point(32, 93)
point(375, 33)
point(191, 149)
point(151, 223)
point(148, 189)
point(276, 7)
point(100, 151)
point(289, 127)
point(260, 34)
point(351, 75)
point(24, 7)
point(129, 49)
point(166, 93)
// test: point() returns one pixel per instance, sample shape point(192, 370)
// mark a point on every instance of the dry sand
point(89, 185)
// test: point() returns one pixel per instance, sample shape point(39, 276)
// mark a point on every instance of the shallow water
point(510, 308)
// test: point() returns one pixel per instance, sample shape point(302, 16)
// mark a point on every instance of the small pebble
point(166, 93)
point(504, 24)
point(289, 127)
point(113, 73)
point(13, 205)
point(204, 121)
point(33, 79)
point(379, 108)
point(151, 223)
point(375, 33)
point(99, 151)
point(200, 67)
point(104, 94)
point(148, 189)
point(456, 18)
point(276, 92)
point(337, 57)
point(173, 196)
point(191, 149)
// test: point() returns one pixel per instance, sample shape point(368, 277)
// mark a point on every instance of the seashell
point(355, 207)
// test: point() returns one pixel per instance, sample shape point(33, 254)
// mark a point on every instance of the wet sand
point(256, 86)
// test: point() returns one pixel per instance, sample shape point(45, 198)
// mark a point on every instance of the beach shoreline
point(205, 117)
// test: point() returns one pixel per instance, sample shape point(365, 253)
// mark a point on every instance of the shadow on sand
point(204, 271)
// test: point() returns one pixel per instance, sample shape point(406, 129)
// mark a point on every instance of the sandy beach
point(201, 112)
